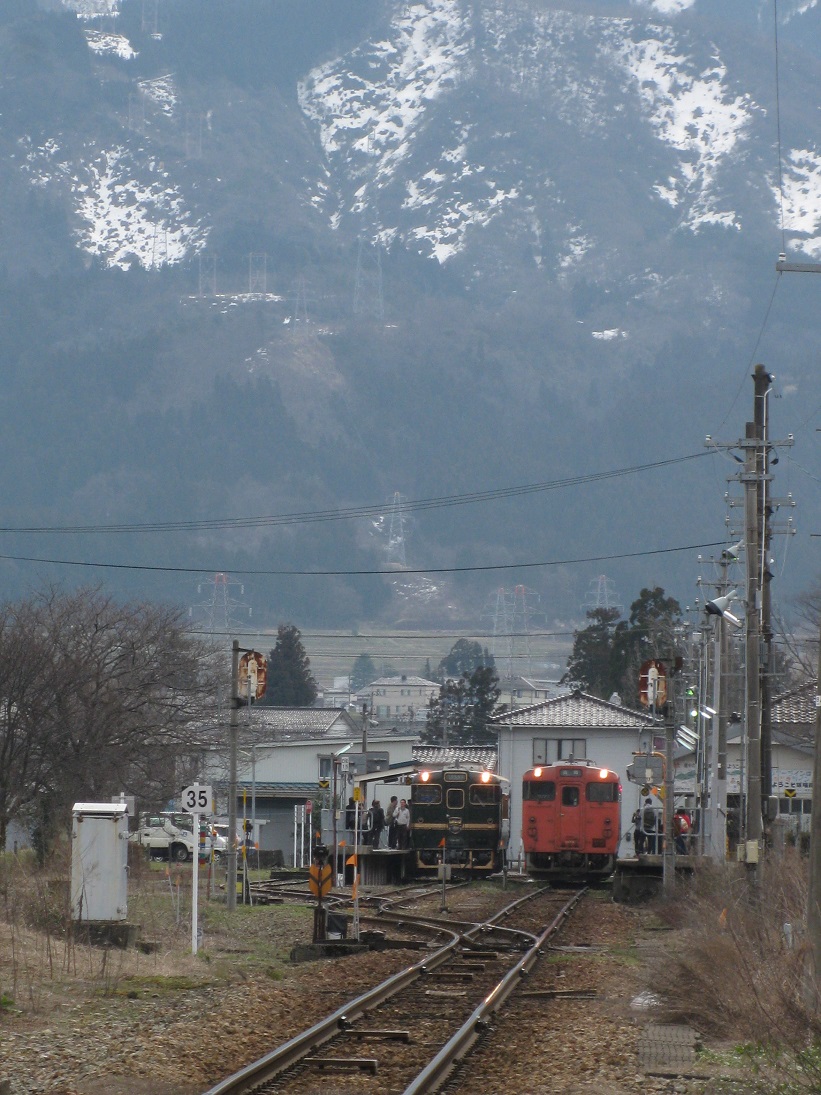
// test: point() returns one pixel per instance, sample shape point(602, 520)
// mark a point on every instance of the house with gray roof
point(286, 759)
point(400, 699)
point(574, 726)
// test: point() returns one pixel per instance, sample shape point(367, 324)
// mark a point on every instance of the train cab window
point(538, 790)
point(570, 796)
point(603, 792)
point(483, 794)
point(455, 798)
point(427, 794)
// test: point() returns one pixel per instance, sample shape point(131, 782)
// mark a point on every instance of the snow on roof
point(575, 709)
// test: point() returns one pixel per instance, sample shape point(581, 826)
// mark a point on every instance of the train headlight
point(537, 772)
point(485, 777)
point(424, 776)
point(603, 774)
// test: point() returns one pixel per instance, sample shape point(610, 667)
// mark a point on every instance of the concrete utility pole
point(814, 896)
point(231, 883)
point(750, 477)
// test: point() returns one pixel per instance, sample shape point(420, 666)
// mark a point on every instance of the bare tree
point(109, 697)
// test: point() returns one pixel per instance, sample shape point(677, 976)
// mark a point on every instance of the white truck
point(169, 836)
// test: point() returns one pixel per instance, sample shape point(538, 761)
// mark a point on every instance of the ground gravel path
point(170, 1023)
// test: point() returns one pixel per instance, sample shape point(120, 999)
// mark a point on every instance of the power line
point(283, 572)
point(346, 514)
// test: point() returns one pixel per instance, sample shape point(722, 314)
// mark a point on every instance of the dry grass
point(739, 968)
point(40, 959)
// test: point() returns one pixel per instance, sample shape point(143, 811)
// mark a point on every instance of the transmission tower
point(603, 596)
point(396, 535)
point(502, 645)
point(193, 136)
point(300, 313)
point(511, 628)
point(150, 17)
point(258, 272)
point(208, 275)
point(367, 297)
point(219, 611)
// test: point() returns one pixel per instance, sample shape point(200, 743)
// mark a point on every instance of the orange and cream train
point(571, 814)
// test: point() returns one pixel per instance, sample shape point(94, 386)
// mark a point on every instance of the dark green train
point(459, 816)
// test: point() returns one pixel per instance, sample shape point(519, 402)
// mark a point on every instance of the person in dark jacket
point(377, 820)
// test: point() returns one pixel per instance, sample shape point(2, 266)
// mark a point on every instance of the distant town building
point(398, 699)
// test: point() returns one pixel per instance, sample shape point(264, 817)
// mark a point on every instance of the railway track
point(415, 1027)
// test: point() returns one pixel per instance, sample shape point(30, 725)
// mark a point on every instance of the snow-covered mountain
point(558, 206)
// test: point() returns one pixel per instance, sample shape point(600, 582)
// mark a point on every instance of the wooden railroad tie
point(561, 994)
point(347, 1064)
point(388, 1035)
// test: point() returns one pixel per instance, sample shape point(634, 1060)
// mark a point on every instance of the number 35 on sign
point(197, 799)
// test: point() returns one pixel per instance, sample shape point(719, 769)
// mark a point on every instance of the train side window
point(483, 794)
point(538, 791)
point(602, 792)
point(570, 796)
point(455, 799)
point(427, 794)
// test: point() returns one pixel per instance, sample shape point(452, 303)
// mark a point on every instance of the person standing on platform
point(390, 820)
point(377, 823)
point(403, 825)
point(638, 833)
point(648, 824)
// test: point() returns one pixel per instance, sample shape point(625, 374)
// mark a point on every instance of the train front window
point(455, 799)
point(483, 794)
point(427, 794)
point(603, 792)
point(538, 791)
point(570, 796)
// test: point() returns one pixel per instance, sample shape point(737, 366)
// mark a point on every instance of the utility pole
point(814, 895)
point(749, 478)
point(231, 884)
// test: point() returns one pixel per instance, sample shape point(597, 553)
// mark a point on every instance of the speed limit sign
point(197, 799)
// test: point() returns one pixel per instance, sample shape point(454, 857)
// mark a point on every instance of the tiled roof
point(396, 682)
point(283, 723)
point(575, 709)
point(436, 755)
point(272, 790)
point(795, 706)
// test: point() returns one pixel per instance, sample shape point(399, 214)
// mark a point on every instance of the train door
point(570, 816)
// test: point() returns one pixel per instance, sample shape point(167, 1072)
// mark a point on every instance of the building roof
point(575, 708)
point(795, 706)
point(398, 682)
point(436, 755)
point(295, 723)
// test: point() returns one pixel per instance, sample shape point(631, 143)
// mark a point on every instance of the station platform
point(640, 878)
point(381, 866)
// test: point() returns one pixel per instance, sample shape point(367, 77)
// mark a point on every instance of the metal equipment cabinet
point(99, 861)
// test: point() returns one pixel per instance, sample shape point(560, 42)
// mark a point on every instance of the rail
point(297, 1048)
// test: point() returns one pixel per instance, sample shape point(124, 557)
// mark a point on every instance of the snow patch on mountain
point(694, 112)
point(122, 218)
point(801, 181)
point(92, 9)
point(102, 42)
point(373, 120)
point(666, 7)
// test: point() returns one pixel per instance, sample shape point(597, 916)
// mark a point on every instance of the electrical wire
point(309, 517)
point(286, 572)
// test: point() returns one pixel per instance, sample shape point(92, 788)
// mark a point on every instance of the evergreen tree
point(290, 681)
point(363, 672)
point(459, 714)
point(594, 665)
point(607, 654)
point(464, 656)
